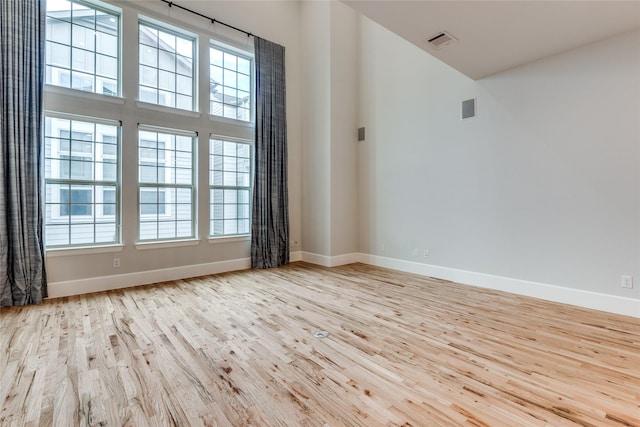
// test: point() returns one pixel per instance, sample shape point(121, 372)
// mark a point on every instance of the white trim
point(50, 89)
point(105, 283)
point(82, 250)
point(162, 25)
point(230, 121)
point(330, 261)
point(170, 110)
point(229, 239)
point(171, 131)
point(143, 246)
point(237, 140)
point(576, 297)
point(78, 117)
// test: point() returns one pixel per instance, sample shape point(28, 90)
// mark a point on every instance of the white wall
point(278, 21)
point(344, 125)
point(316, 195)
point(330, 210)
point(542, 186)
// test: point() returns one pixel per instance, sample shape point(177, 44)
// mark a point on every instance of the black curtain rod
point(213, 21)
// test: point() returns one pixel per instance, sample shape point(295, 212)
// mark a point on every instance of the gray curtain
point(270, 218)
point(22, 272)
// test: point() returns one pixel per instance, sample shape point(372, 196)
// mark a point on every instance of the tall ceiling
point(494, 36)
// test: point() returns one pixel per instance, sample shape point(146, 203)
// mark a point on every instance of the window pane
point(107, 66)
point(166, 80)
point(229, 85)
point(58, 54)
point(149, 56)
point(83, 37)
point(107, 44)
point(59, 31)
point(229, 193)
point(215, 56)
point(167, 61)
point(107, 23)
point(82, 82)
point(184, 47)
point(166, 68)
point(244, 83)
point(244, 66)
point(79, 41)
point(167, 159)
point(148, 95)
point(80, 161)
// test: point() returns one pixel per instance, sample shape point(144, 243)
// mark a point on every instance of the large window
point(81, 172)
point(82, 46)
point(166, 67)
point(93, 158)
point(230, 84)
point(229, 187)
point(166, 184)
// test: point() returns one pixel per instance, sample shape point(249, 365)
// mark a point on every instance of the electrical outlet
point(381, 247)
point(416, 252)
point(626, 281)
point(116, 263)
point(426, 253)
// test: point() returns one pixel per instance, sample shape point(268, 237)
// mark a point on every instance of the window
point(230, 84)
point(166, 67)
point(229, 187)
point(81, 178)
point(166, 184)
point(86, 156)
point(82, 49)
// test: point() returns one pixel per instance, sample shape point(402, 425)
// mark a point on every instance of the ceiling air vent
point(441, 40)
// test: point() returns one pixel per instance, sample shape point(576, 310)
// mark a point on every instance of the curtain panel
point(270, 216)
point(22, 269)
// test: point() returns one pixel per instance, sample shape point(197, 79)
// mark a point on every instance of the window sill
point(143, 246)
point(170, 110)
point(235, 122)
point(82, 250)
point(59, 90)
point(229, 239)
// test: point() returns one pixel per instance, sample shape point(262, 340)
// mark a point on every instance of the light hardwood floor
point(237, 349)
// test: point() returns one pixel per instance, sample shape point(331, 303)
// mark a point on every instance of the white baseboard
point(577, 297)
point(105, 283)
point(330, 261)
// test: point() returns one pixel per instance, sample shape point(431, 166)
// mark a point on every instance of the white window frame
point(249, 56)
point(145, 185)
point(230, 187)
point(178, 32)
point(101, 7)
point(92, 106)
point(57, 217)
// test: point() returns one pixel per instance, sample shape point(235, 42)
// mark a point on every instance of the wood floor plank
point(237, 349)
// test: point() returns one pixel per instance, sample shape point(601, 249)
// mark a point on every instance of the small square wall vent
point(468, 108)
point(441, 39)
